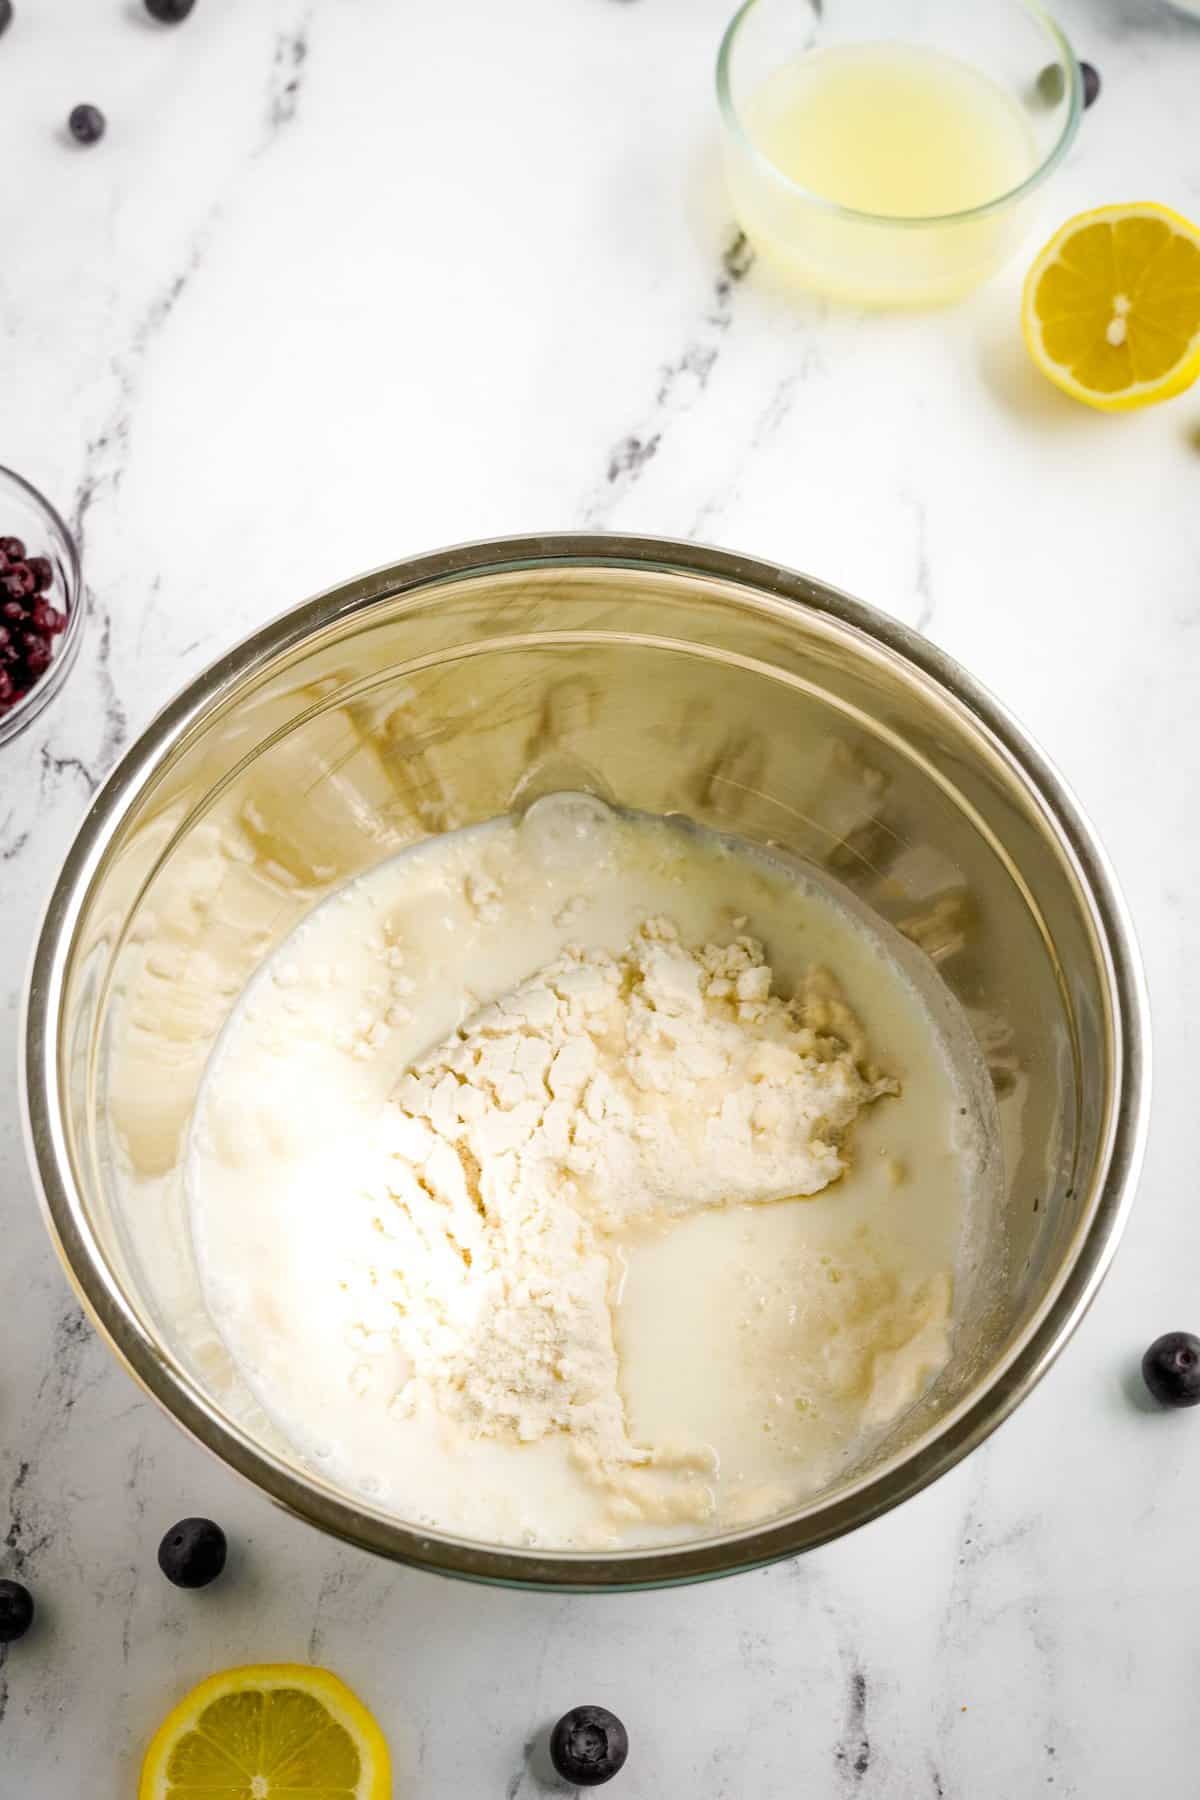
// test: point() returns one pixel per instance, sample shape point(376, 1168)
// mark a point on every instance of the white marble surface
point(353, 278)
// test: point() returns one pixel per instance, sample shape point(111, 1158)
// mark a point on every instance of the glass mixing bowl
point(662, 676)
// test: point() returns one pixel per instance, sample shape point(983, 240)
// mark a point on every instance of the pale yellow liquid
point(894, 129)
point(891, 130)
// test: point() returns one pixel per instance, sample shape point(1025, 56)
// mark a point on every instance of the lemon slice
point(1111, 311)
point(262, 1733)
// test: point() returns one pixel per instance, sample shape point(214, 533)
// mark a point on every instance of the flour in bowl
point(661, 1229)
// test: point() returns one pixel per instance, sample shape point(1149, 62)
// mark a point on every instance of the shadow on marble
point(1011, 378)
point(136, 14)
point(1123, 19)
point(706, 205)
point(538, 1776)
point(1135, 1390)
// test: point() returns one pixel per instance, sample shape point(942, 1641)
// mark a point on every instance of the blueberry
point(169, 12)
point(86, 124)
point(37, 655)
point(588, 1746)
point(47, 619)
point(42, 571)
point(16, 1611)
point(192, 1553)
point(5, 16)
point(1171, 1368)
point(1051, 84)
point(16, 583)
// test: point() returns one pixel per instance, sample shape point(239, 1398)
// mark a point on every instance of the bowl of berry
point(41, 603)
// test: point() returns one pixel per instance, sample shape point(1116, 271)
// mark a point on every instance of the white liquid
point(769, 1344)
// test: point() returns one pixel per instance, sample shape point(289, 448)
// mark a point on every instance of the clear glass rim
point(43, 691)
point(732, 122)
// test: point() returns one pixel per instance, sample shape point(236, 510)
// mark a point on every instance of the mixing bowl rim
point(955, 1435)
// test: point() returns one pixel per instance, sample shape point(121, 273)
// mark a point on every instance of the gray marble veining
point(353, 278)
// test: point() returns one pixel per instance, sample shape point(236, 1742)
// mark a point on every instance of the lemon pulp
point(263, 1732)
point(1111, 310)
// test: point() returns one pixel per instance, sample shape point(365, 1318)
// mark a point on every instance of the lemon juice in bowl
point(893, 129)
point(887, 152)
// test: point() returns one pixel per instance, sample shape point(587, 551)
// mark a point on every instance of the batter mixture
point(586, 1179)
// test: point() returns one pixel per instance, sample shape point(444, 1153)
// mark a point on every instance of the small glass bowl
point(28, 515)
point(881, 258)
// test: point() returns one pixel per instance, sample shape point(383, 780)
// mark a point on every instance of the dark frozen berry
point(16, 1611)
point(169, 12)
point(1171, 1368)
point(37, 656)
point(29, 622)
point(588, 1745)
point(6, 13)
point(192, 1553)
point(1052, 83)
point(47, 619)
point(86, 124)
point(17, 581)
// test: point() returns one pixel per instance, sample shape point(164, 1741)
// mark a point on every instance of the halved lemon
point(1111, 311)
point(265, 1732)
